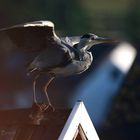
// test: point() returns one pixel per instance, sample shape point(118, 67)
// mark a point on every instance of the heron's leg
point(34, 88)
point(45, 90)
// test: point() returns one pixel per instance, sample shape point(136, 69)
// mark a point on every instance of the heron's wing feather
point(51, 58)
point(31, 39)
point(71, 40)
point(32, 36)
point(75, 39)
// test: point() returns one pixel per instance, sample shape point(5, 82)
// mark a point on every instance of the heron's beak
point(99, 40)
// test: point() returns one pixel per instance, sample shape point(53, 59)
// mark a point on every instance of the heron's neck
point(83, 45)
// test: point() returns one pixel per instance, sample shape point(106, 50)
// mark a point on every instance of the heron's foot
point(43, 107)
point(51, 107)
point(38, 112)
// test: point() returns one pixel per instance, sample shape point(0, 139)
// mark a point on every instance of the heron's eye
point(93, 38)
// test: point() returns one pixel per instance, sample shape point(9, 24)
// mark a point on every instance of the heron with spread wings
point(55, 56)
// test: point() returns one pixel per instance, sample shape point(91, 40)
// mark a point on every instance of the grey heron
point(55, 56)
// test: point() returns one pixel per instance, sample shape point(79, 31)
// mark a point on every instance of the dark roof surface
point(17, 124)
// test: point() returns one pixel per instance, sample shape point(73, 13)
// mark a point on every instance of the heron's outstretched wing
point(32, 36)
point(71, 40)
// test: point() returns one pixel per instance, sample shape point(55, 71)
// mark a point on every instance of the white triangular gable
point(78, 117)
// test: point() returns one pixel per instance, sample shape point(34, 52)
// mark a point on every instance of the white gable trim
point(78, 116)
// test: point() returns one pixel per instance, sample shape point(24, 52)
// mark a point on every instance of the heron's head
point(88, 40)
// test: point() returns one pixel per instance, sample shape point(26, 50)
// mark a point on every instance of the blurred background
point(110, 88)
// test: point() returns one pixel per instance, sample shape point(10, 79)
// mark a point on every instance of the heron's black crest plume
point(88, 35)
